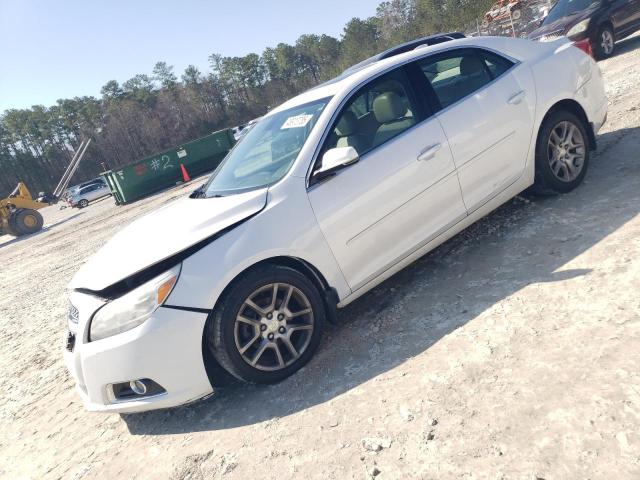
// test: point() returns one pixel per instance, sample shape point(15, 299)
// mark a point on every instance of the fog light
point(138, 387)
point(134, 390)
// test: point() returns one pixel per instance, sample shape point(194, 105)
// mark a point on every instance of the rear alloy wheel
point(268, 325)
point(605, 43)
point(83, 203)
point(562, 154)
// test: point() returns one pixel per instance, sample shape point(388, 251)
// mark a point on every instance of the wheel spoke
point(274, 297)
point(554, 138)
point(249, 343)
point(301, 312)
point(261, 349)
point(248, 321)
point(571, 170)
point(564, 128)
point(571, 135)
point(278, 354)
point(251, 304)
point(296, 328)
point(285, 303)
point(292, 349)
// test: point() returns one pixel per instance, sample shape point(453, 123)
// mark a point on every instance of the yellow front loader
point(18, 212)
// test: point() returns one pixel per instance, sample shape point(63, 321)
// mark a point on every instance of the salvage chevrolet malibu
point(327, 196)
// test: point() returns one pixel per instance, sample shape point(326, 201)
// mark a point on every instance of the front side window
point(267, 152)
point(375, 114)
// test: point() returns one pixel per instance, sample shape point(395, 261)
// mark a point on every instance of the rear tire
point(562, 154)
point(267, 326)
point(83, 203)
point(27, 221)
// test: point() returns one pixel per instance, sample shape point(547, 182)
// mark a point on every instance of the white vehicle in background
point(241, 130)
point(327, 196)
point(81, 197)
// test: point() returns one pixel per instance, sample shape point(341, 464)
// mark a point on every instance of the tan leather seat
point(391, 112)
point(347, 132)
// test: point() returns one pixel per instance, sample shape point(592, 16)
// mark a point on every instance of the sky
point(51, 49)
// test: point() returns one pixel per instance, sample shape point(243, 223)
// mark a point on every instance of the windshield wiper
point(198, 192)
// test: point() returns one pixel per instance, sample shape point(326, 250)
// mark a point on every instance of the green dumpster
point(162, 170)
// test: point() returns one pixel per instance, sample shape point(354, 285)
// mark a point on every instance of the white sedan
point(327, 196)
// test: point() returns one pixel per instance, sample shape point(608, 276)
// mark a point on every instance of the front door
point(486, 107)
point(402, 192)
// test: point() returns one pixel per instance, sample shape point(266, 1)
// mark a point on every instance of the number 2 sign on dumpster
point(162, 170)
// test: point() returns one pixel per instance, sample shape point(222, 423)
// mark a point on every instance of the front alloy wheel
point(274, 326)
point(267, 326)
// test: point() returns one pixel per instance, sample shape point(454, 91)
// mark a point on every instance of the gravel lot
point(511, 352)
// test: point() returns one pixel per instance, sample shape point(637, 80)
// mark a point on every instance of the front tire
point(267, 326)
point(562, 154)
point(83, 203)
point(604, 45)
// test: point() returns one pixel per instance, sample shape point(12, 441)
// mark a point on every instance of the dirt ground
point(511, 352)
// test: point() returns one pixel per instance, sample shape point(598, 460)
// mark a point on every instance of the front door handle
point(429, 152)
point(517, 98)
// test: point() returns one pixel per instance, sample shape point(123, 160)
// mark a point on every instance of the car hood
point(562, 25)
point(163, 233)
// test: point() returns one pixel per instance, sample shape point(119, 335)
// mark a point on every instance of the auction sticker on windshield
point(296, 121)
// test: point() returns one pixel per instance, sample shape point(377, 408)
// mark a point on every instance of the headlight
point(133, 308)
point(578, 28)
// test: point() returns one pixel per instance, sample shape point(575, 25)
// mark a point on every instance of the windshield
point(564, 8)
point(267, 152)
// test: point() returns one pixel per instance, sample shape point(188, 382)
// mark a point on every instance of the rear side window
point(457, 74)
point(497, 65)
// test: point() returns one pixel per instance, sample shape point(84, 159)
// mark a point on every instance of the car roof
point(353, 76)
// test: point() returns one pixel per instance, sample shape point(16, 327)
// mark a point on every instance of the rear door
point(486, 105)
point(91, 192)
point(402, 192)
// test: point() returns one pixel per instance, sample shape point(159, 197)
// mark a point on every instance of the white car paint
point(356, 229)
point(163, 233)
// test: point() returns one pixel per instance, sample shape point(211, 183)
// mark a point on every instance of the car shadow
point(40, 232)
point(524, 242)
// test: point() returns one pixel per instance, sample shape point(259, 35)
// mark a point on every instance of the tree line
point(156, 111)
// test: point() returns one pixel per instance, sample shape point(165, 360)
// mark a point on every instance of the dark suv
point(594, 26)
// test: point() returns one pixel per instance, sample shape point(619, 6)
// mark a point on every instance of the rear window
point(497, 64)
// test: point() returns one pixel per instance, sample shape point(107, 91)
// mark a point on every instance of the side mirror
point(336, 159)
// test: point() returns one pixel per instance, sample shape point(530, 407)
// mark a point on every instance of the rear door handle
point(429, 152)
point(517, 98)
